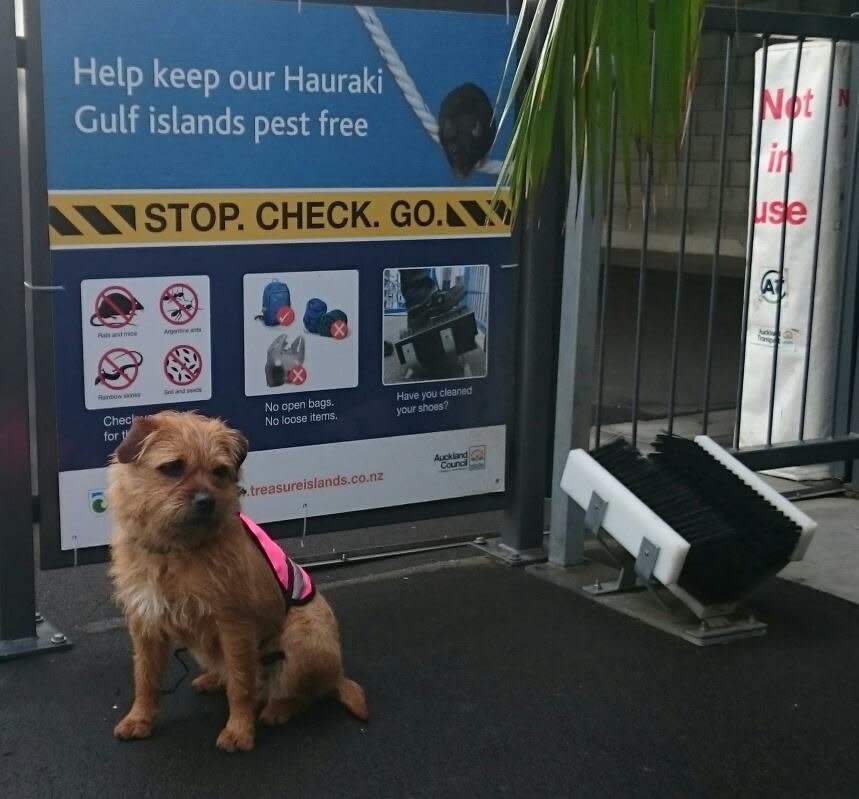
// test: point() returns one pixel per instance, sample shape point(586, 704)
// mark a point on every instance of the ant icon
point(179, 304)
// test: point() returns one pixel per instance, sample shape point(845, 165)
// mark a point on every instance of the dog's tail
point(351, 696)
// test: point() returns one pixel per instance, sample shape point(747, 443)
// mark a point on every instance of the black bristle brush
point(720, 528)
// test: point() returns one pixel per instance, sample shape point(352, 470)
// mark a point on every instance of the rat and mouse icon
point(115, 307)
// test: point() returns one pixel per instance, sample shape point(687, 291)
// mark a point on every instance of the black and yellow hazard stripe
point(199, 217)
point(81, 218)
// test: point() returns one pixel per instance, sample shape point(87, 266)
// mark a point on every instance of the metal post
point(849, 418)
point(17, 586)
point(43, 300)
point(20, 633)
point(521, 539)
point(522, 529)
point(577, 347)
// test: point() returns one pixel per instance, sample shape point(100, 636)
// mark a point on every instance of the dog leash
point(268, 659)
point(177, 653)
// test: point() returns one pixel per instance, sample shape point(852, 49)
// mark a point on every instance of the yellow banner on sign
point(199, 217)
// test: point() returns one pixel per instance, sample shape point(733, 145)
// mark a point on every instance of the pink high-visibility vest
point(295, 582)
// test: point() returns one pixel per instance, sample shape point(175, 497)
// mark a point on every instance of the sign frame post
point(22, 630)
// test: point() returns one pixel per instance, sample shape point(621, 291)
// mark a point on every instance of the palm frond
point(584, 57)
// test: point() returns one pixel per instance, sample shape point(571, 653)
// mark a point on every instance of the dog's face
point(175, 476)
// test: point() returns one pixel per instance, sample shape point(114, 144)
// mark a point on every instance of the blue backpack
point(274, 297)
point(315, 309)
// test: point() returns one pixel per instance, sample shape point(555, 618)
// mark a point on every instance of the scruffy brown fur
point(186, 571)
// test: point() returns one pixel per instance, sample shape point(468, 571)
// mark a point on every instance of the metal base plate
point(668, 614)
point(48, 639)
point(722, 630)
point(599, 588)
point(512, 557)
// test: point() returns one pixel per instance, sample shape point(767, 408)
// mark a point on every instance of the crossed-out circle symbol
point(179, 304)
point(108, 310)
point(183, 364)
point(297, 375)
point(339, 329)
point(118, 368)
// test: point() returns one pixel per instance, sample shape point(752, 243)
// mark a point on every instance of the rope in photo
point(410, 91)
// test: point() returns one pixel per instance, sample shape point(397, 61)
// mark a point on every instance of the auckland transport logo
point(456, 460)
point(773, 287)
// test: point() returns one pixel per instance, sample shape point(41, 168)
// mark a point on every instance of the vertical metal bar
point(606, 268)
point(750, 248)
point(522, 526)
point(51, 554)
point(17, 580)
point(678, 285)
point(851, 374)
point(817, 226)
point(642, 270)
point(576, 340)
point(851, 254)
point(846, 261)
point(717, 244)
point(782, 244)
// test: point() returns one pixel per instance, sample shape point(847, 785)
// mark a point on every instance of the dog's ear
point(129, 449)
point(238, 448)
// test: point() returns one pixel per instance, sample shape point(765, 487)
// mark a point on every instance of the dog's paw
point(276, 712)
point(133, 727)
point(234, 738)
point(207, 683)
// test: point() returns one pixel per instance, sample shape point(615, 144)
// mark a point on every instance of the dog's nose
point(203, 503)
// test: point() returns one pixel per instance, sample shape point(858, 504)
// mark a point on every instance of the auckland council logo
point(455, 460)
point(97, 502)
point(477, 457)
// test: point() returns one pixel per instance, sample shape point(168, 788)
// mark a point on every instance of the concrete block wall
point(705, 131)
point(661, 261)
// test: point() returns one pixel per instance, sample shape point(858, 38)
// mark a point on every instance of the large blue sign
point(282, 215)
point(156, 68)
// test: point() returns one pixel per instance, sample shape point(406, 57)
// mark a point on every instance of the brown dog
point(185, 570)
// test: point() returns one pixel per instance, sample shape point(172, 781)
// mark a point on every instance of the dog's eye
point(221, 472)
point(173, 468)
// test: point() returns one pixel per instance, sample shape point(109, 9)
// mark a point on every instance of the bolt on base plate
point(512, 557)
point(48, 639)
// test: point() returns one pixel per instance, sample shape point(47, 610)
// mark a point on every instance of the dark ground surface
point(482, 681)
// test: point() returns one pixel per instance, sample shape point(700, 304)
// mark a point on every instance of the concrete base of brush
point(656, 607)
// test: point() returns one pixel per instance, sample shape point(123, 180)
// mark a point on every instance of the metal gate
point(676, 282)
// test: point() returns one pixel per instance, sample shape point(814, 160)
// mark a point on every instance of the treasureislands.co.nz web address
point(315, 483)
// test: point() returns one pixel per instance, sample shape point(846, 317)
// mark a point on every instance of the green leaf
point(590, 54)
